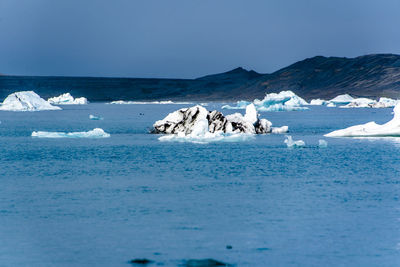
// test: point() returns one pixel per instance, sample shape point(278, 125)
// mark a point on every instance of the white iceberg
point(322, 143)
point(293, 144)
point(95, 133)
point(167, 102)
point(360, 103)
point(331, 105)
point(67, 99)
point(95, 118)
point(342, 99)
point(371, 129)
point(283, 101)
point(318, 102)
point(198, 124)
point(26, 101)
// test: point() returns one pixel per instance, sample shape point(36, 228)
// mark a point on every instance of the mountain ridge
point(373, 75)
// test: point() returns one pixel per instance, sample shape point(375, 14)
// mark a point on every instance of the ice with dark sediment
point(196, 124)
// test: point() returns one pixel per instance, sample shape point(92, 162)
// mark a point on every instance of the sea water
point(104, 202)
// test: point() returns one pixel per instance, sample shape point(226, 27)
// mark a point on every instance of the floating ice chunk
point(95, 118)
point(283, 101)
point(167, 102)
point(280, 130)
point(95, 133)
point(293, 144)
point(196, 123)
point(26, 101)
point(206, 138)
point(322, 143)
point(318, 102)
point(331, 105)
point(342, 99)
point(370, 129)
point(360, 103)
point(67, 99)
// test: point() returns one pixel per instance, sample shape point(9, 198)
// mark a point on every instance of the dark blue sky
point(187, 38)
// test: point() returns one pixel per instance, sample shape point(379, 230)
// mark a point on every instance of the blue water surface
point(103, 202)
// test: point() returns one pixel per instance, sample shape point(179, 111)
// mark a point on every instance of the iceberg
point(360, 103)
point(293, 144)
point(95, 133)
point(26, 101)
point(331, 105)
point(371, 129)
point(318, 102)
point(67, 99)
point(322, 143)
point(167, 102)
point(95, 118)
point(197, 123)
point(283, 101)
point(342, 99)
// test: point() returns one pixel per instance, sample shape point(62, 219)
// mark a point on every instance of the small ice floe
point(371, 129)
point(322, 143)
point(331, 105)
point(26, 101)
point(67, 99)
point(196, 124)
point(95, 118)
point(293, 144)
point(167, 102)
point(283, 101)
point(95, 133)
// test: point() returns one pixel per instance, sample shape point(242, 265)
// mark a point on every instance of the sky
point(187, 38)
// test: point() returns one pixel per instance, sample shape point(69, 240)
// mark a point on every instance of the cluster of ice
point(370, 129)
point(122, 102)
point(283, 101)
point(347, 101)
point(197, 123)
point(293, 144)
point(67, 99)
point(95, 133)
point(95, 118)
point(26, 101)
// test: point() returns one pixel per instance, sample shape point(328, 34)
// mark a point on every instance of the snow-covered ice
point(95, 118)
point(167, 102)
point(370, 129)
point(26, 101)
point(67, 99)
point(196, 123)
point(283, 101)
point(342, 99)
point(293, 144)
point(318, 102)
point(95, 133)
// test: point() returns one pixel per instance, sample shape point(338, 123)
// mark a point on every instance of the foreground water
point(103, 202)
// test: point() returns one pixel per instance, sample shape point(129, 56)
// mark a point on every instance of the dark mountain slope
point(317, 77)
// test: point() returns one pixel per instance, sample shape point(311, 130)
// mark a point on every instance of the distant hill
point(317, 77)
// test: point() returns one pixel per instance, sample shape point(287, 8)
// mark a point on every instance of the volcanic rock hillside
point(317, 77)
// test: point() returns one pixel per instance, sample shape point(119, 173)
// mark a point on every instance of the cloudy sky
point(187, 38)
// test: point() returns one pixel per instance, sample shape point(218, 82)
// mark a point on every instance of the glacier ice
point(342, 99)
point(318, 102)
point(360, 103)
point(95, 118)
point(293, 144)
point(67, 99)
point(283, 101)
point(95, 133)
point(197, 123)
point(122, 102)
point(26, 101)
point(322, 143)
point(371, 129)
